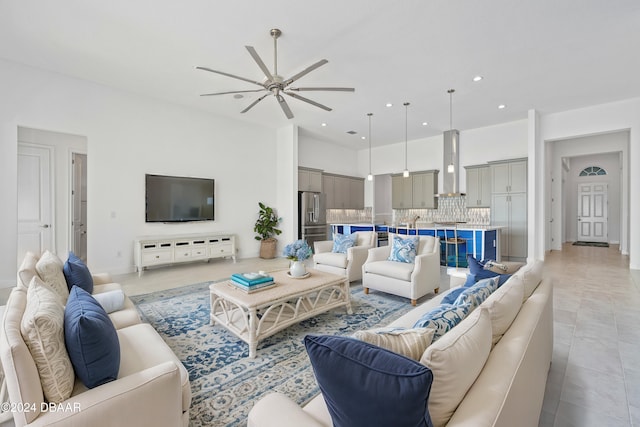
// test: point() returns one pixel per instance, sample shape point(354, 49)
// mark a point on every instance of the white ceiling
point(549, 55)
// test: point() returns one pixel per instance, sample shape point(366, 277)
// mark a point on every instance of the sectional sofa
point(488, 370)
point(151, 387)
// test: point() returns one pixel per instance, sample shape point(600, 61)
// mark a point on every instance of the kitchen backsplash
point(348, 216)
point(449, 209)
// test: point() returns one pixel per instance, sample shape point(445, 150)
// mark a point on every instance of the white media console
point(173, 249)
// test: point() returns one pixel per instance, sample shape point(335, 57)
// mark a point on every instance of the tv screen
point(179, 199)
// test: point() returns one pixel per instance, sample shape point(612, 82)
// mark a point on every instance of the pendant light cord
point(406, 107)
point(369, 114)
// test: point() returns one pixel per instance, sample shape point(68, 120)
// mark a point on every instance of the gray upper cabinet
point(401, 192)
point(418, 191)
point(309, 180)
point(343, 192)
point(509, 207)
point(478, 186)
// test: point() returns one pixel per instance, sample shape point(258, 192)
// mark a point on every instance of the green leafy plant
point(266, 223)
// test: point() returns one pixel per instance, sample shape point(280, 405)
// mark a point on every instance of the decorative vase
point(297, 269)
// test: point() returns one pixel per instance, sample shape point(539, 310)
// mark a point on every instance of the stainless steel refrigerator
point(312, 223)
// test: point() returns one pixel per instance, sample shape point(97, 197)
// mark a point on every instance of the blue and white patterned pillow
point(404, 250)
point(476, 294)
point(342, 242)
point(442, 318)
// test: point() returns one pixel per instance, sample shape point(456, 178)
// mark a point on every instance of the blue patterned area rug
point(224, 382)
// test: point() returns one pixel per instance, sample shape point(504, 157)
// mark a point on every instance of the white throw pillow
point(531, 276)
point(110, 300)
point(42, 329)
point(503, 306)
point(49, 268)
point(456, 360)
point(407, 342)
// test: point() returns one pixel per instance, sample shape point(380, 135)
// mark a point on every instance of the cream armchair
point(409, 280)
point(349, 264)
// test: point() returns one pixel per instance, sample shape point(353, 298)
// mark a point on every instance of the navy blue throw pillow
point(365, 385)
point(76, 273)
point(91, 339)
point(476, 267)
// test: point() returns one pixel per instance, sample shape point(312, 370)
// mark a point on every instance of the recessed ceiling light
point(425, 123)
point(389, 104)
point(238, 96)
point(477, 78)
point(363, 137)
point(501, 107)
point(323, 124)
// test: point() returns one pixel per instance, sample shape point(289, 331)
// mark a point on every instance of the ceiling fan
point(276, 85)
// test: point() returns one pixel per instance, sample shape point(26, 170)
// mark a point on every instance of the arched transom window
point(593, 170)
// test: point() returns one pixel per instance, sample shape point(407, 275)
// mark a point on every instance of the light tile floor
point(594, 378)
point(595, 370)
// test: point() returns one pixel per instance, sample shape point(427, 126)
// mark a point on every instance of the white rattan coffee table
point(255, 316)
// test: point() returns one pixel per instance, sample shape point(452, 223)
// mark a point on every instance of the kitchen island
point(456, 239)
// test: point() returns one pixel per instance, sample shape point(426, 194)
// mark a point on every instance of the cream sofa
point(152, 385)
point(499, 380)
point(348, 264)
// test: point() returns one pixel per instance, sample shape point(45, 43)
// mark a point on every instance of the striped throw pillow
point(408, 342)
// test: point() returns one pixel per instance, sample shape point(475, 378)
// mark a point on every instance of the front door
point(592, 212)
point(35, 232)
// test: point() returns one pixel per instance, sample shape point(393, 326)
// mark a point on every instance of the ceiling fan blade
point(254, 103)
point(334, 89)
point(284, 106)
point(307, 100)
point(306, 71)
point(230, 75)
point(258, 60)
point(235, 91)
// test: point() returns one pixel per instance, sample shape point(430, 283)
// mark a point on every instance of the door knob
point(44, 226)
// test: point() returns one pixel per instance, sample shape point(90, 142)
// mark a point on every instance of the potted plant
point(266, 229)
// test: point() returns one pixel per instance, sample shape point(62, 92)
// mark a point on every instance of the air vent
point(351, 132)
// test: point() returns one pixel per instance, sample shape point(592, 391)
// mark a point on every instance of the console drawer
point(156, 257)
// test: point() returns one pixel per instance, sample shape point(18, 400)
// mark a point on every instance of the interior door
point(35, 232)
point(79, 202)
point(592, 212)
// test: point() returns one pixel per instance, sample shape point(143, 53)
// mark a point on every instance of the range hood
point(451, 164)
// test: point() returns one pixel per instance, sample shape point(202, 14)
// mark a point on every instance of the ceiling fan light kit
point(406, 169)
point(276, 85)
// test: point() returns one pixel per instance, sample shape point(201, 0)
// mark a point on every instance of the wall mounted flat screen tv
point(179, 199)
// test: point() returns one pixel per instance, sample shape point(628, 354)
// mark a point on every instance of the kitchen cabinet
point(343, 192)
point(509, 207)
point(401, 192)
point(425, 188)
point(478, 186)
point(309, 180)
point(417, 191)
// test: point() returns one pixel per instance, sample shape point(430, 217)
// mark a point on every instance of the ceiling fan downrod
point(275, 33)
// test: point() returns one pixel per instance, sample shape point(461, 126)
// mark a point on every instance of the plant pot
point(268, 248)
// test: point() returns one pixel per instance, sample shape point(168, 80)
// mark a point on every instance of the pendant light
point(406, 169)
point(451, 168)
point(370, 176)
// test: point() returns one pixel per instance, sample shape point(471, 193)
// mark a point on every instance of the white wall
point(128, 135)
point(611, 164)
point(333, 158)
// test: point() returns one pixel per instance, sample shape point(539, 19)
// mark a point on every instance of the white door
point(592, 212)
point(35, 232)
point(79, 202)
